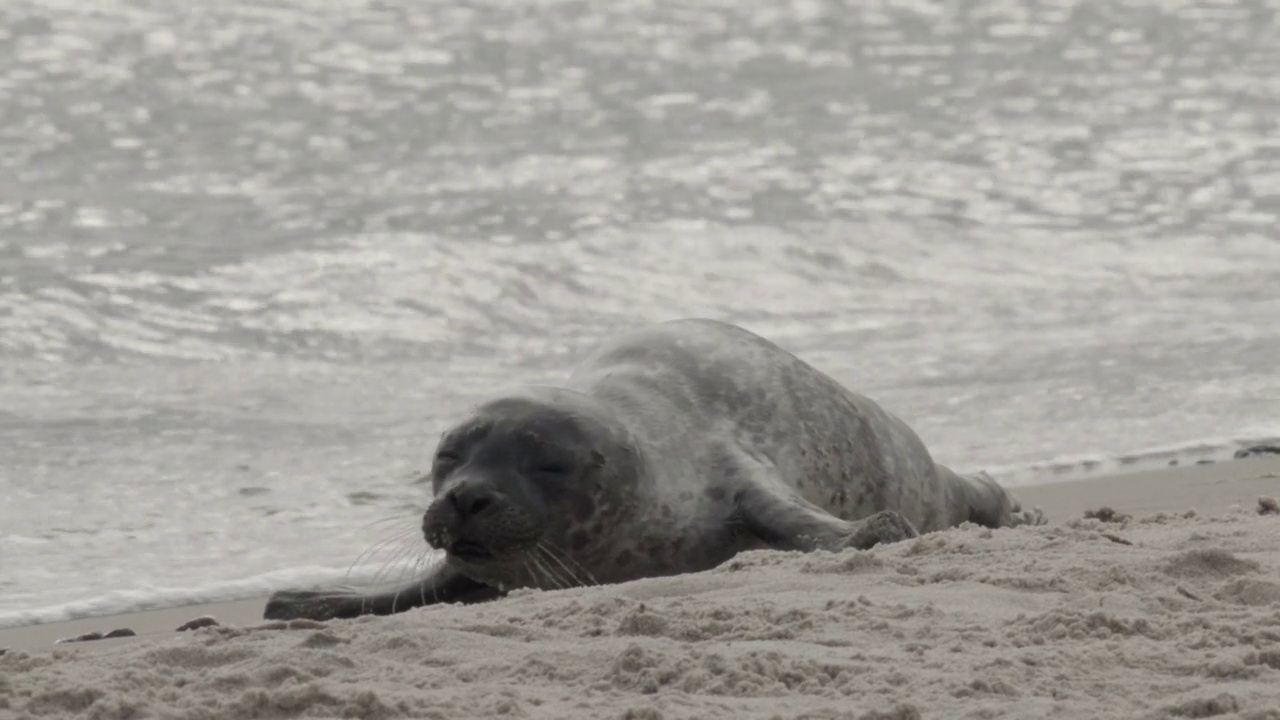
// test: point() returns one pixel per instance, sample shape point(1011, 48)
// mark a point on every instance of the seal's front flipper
point(790, 523)
point(883, 527)
point(443, 585)
point(314, 605)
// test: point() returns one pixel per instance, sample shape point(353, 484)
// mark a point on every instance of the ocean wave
point(1079, 467)
point(151, 597)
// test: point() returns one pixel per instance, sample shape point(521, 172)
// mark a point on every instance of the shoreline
point(1149, 611)
point(1209, 489)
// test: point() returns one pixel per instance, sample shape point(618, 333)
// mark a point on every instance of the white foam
point(144, 597)
point(1079, 467)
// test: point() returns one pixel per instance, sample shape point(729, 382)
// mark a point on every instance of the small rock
point(1258, 451)
point(1268, 506)
point(1107, 515)
point(200, 622)
point(117, 633)
point(81, 638)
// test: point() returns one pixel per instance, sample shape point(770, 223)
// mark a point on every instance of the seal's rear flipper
point(443, 585)
point(1034, 516)
point(991, 505)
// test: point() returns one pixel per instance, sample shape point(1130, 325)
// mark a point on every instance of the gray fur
point(667, 451)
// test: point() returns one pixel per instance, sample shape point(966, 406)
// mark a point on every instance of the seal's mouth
point(469, 551)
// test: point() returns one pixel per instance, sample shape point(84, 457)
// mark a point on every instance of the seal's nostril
point(468, 502)
point(478, 505)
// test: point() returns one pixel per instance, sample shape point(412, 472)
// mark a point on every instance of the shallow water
point(253, 260)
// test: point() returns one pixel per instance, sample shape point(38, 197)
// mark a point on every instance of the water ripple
point(298, 237)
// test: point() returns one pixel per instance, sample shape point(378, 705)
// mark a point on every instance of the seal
point(667, 451)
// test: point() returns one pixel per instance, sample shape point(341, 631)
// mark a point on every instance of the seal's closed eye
point(445, 461)
point(552, 468)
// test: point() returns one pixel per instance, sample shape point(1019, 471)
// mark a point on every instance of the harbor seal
point(667, 451)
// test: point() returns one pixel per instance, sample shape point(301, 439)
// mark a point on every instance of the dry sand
point(1167, 614)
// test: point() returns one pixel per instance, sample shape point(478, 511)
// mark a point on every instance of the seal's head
point(524, 487)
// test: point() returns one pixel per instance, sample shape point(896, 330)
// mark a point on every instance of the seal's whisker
point(398, 517)
point(424, 560)
point(425, 566)
point(545, 552)
point(540, 576)
point(401, 549)
point(561, 556)
point(550, 573)
point(571, 569)
point(581, 567)
point(409, 549)
point(378, 547)
point(532, 575)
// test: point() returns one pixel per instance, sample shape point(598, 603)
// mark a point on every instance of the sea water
point(254, 257)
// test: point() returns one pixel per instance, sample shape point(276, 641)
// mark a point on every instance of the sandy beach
point(1172, 611)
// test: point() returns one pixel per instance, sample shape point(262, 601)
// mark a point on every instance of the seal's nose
point(469, 501)
point(457, 521)
point(455, 512)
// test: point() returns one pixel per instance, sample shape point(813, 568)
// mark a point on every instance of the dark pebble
point(1258, 451)
point(200, 622)
point(117, 633)
point(82, 638)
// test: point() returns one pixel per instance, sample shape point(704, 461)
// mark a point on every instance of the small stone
point(201, 622)
point(1257, 451)
point(81, 638)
